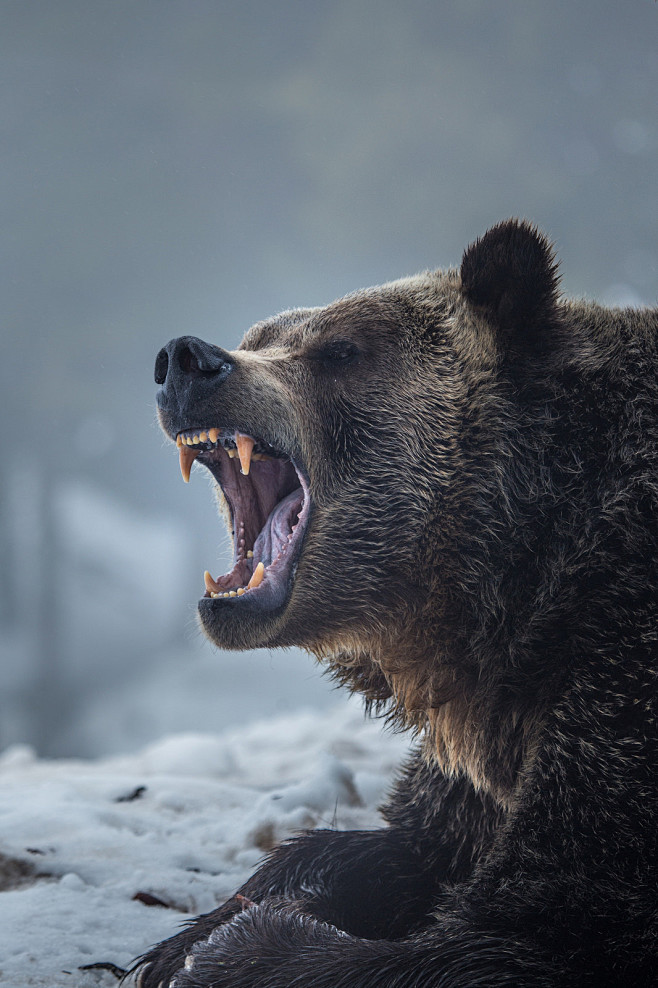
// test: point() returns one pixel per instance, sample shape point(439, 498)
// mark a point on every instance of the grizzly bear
point(446, 488)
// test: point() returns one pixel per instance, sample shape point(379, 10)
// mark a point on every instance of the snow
point(185, 820)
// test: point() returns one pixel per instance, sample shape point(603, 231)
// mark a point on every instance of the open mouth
point(268, 499)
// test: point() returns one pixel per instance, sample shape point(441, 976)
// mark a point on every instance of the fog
point(179, 168)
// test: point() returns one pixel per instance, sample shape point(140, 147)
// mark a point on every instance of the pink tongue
point(277, 528)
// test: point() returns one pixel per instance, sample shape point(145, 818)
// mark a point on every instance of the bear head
point(358, 451)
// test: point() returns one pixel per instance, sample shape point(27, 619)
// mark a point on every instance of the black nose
point(188, 371)
point(188, 357)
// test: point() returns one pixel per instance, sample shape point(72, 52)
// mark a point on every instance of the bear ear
point(511, 274)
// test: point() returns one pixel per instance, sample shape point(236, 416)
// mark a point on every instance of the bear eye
point(338, 352)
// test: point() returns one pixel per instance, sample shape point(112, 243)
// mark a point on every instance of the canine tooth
point(213, 435)
point(245, 446)
point(186, 458)
point(257, 577)
point(209, 582)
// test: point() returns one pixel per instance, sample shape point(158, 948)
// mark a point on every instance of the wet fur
point(481, 566)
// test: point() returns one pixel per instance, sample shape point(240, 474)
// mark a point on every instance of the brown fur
point(481, 563)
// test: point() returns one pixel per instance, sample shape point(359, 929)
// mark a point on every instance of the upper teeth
point(187, 458)
point(244, 446)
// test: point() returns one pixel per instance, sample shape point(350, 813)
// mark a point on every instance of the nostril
point(188, 361)
point(161, 366)
point(198, 357)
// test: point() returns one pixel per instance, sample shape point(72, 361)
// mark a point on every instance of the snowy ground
point(185, 821)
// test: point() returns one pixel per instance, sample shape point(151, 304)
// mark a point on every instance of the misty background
point(188, 167)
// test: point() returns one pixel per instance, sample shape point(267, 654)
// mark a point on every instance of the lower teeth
point(230, 593)
point(255, 581)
